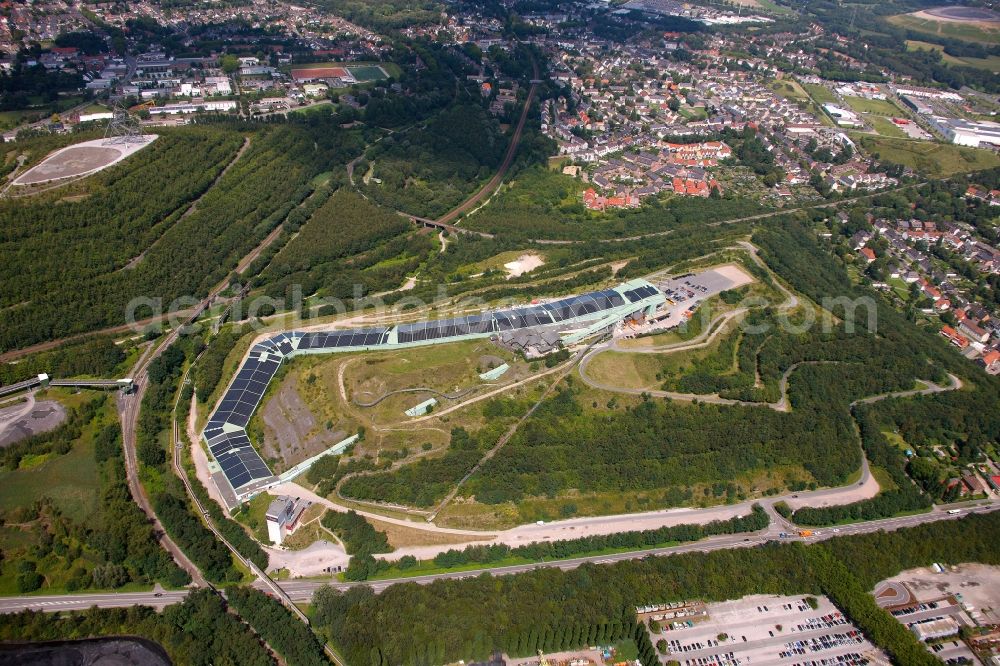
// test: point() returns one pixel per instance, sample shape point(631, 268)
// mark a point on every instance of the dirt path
point(198, 455)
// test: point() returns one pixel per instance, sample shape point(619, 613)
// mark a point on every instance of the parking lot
point(766, 630)
point(686, 292)
point(936, 604)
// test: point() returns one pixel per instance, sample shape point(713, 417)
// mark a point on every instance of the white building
point(194, 107)
point(220, 84)
point(99, 115)
point(970, 132)
point(940, 628)
point(842, 116)
point(282, 517)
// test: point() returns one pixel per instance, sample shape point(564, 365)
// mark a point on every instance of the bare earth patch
point(23, 420)
point(402, 537)
point(292, 434)
point(523, 264)
point(79, 160)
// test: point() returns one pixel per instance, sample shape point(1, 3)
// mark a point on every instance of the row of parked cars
point(849, 659)
point(725, 659)
point(824, 622)
point(910, 610)
point(820, 643)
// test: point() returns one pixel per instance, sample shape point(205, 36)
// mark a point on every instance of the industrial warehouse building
point(975, 133)
point(537, 328)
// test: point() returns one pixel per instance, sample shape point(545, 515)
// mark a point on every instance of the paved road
point(128, 415)
point(83, 601)
point(302, 590)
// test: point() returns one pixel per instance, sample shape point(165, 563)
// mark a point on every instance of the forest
point(52, 547)
point(551, 608)
point(357, 534)
point(385, 14)
point(427, 170)
point(199, 631)
point(93, 357)
point(348, 243)
point(155, 229)
point(169, 497)
point(285, 633)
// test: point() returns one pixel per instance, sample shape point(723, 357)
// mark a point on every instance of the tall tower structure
point(123, 128)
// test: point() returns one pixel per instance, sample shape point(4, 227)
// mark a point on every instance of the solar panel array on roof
point(444, 328)
point(248, 387)
point(640, 293)
point(241, 463)
point(238, 459)
point(362, 337)
point(579, 306)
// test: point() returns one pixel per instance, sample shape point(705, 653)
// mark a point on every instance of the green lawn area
point(876, 106)
point(324, 106)
point(901, 288)
point(966, 31)
point(11, 119)
point(769, 6)
point(626, 650)
point(990, 64)
point(930, 158)
point(70, 480)
point(884, 126)
point(789, 89)
point(820, 93)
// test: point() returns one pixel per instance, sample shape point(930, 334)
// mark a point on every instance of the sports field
point(365, 73)
point(361, 72)
point(310, 72)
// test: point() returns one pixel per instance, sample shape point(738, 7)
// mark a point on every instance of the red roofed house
point(956, 339)
point(991, 361)
point(868, 253)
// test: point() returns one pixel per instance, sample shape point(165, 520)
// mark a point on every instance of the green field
point(930, 158)
point(884, 126)
point(967, 31)
point(366, 73)
point(821, 94)
point(990, 64)
point(878, 107)
point(789, 89)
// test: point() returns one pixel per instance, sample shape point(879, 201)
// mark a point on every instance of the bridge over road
point(43, 380)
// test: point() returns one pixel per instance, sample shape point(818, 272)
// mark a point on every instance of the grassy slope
point(929, 158)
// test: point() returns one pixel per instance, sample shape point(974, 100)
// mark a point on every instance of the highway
point(303, 590)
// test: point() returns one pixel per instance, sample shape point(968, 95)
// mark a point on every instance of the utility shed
point(422, 408)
